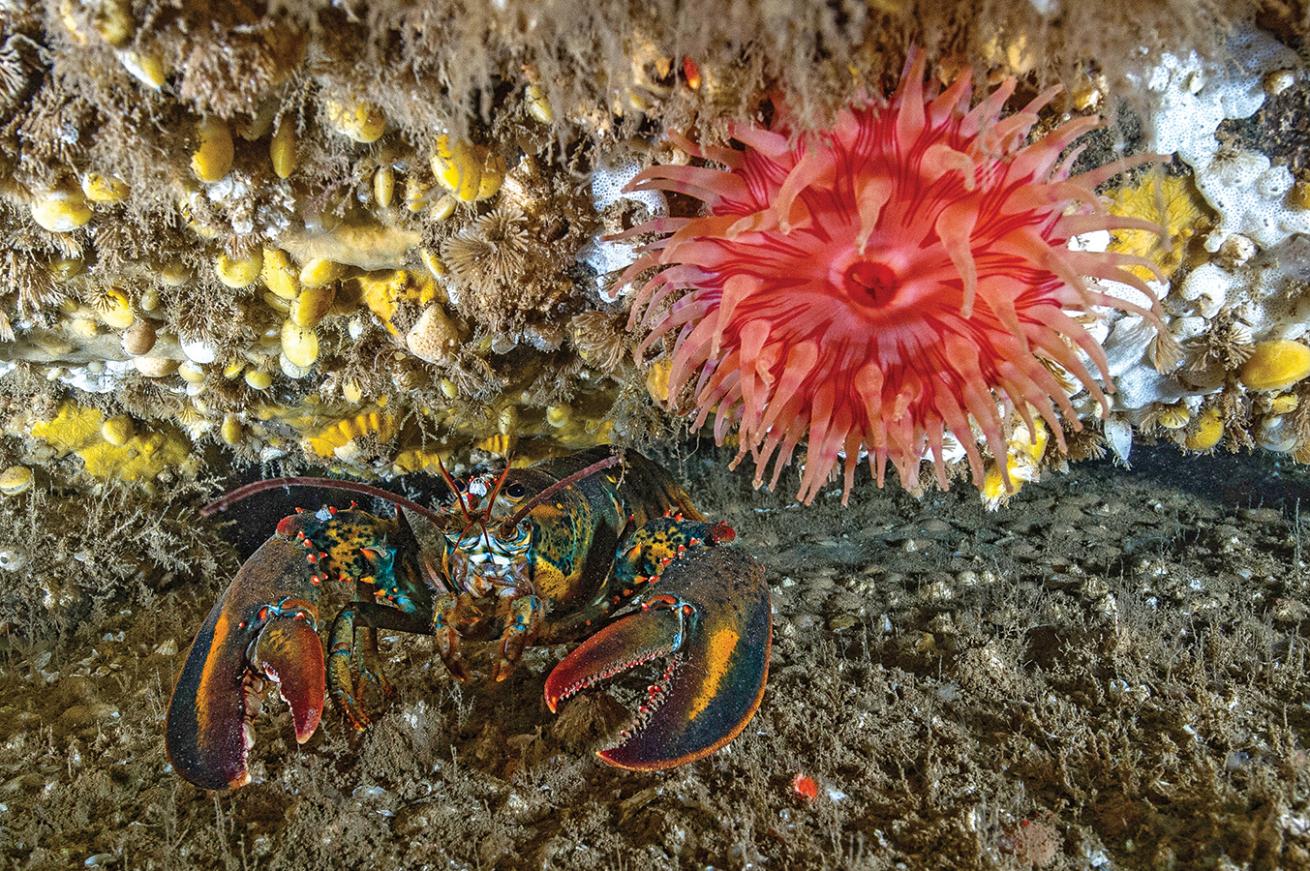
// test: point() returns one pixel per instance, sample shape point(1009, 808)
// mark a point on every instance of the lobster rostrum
point(597, 546)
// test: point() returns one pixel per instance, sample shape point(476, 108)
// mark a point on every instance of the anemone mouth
point(869, 283)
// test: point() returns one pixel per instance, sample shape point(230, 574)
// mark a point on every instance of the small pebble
point(842, 622)
point(15, 480)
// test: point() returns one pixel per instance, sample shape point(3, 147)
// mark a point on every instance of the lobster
point(600, 547)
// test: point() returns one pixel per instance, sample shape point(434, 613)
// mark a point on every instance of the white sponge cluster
point(1255, 237)
point(607, 183)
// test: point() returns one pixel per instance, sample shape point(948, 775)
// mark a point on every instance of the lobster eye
point(515, 491)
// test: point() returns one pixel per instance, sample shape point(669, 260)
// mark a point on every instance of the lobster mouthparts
point(710, 615)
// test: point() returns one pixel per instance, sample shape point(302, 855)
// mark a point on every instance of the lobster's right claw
point(710, 615)
point(263, 629)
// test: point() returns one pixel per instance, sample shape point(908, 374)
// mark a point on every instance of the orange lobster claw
point(710, 615)
point(263, 629)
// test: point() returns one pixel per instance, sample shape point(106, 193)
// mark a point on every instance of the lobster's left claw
point(710, 615)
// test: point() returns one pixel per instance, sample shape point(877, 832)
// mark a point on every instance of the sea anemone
point(873, 287)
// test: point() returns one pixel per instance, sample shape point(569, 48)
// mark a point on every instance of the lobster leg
point(453, 616)
point(368, 664)
point(707, 613)
point(350, 666)
point(521, 627)
point(353, 660)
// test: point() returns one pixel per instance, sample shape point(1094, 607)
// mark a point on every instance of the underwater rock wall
point(370, 236)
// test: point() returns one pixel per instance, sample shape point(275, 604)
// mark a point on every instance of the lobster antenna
point(225, 501)
point(534, 501)
point(491, 502)
point(454, 491)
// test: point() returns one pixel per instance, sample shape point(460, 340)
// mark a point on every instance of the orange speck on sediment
point(805, 786)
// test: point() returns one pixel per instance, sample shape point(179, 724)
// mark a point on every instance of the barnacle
point(299, 343)
point(103, 189)
point(538, 105)
point(384, 185)
point(1174, 416)
point(239, 272)
point(114, 308)
point(282, 149)
point(146, 67)
point(359, 120)
point(117, 430)
point(312, 303)
point(139, 338)
point(214, 152)
point(60, 211)
point(470, 172)
point(279, 275)
point(320, 271)
point(1206, 431)
point(15, 480)
point(1022, 462)
point(231, 430)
